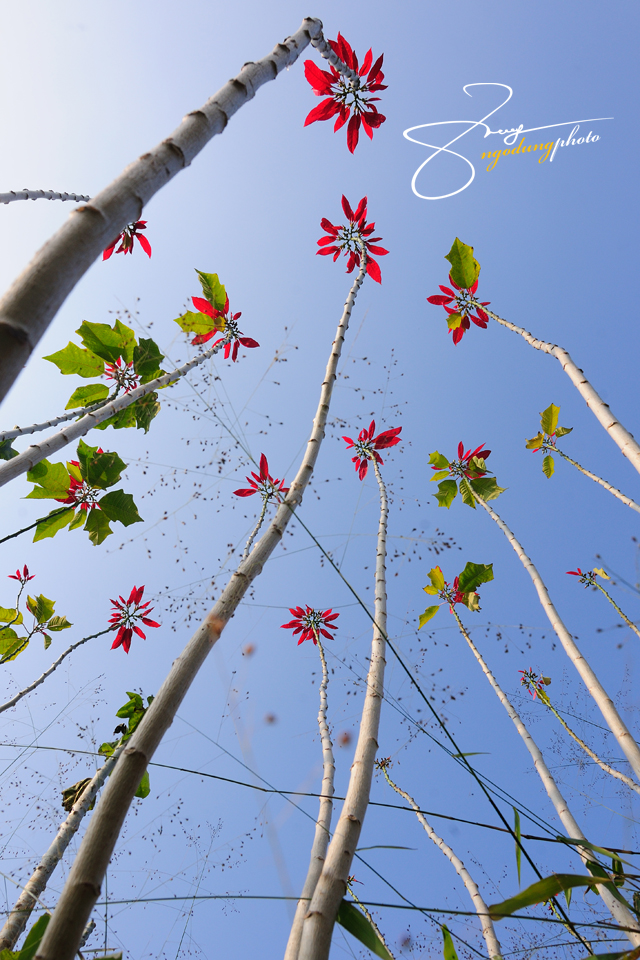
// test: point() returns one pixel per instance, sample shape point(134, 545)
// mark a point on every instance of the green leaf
point(464, 268)
point(473, 575)
point(359, 927)
point(448, 948)
point(472, 601)
point(47, 640)
point(119, 506)
point(107, 342)
point(71, 795)
point(97, 526)
point(518, 834)
point(52, 523)
point(466, 494)
point(73, 359)
point(447, 490)
point(198, 323)
point(384, 846)
point(427, 615)
point(100, 470)
point(536, 442)
point(147, 359)
point(58, 623)
point(143, 788)
point(439, 475)
point(10, 615)
point(487, 488)
point(106, 749)
point(548, 466)
point(145, 409)
point(549, 419)
point(473, 753)
point(543, 890)
point(85, 396)
point(596, 870)
point(34, 937)
point(41, 607)
point(52, 481)
point(438, 460)
point(625, 955)
point(11, 644)
point(79, 520)
point(6, 450)
point(212, 289)
point(563, 431)
point(454, 320)
point(437, 578)
point(134, 704)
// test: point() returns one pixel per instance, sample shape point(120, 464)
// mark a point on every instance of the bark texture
point(332, 885)
point(41, 195)
point(29, 306)
point(85, 877)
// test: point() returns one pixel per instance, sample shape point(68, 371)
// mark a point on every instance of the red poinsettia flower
point(232, 335)
point(460, 314)
point(366, 446)
point(123, 373)
point(125, 617)
point(21, 577)
point(126, 238)
point(463, 463)
point(80, 493)
point(310, 623)
point(532, 682)
point(349, 239)
point(263, 483)
point(345, 97)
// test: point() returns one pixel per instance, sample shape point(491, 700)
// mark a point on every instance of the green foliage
point(359, 926)
point(74, 360)
point(465, 269)
point(473, 575)
point(109, 343)
point(52, 481)
point(486, 487)
point(146, 360)
point(31, 943)
point(55, 521)
point(549, 419)
point(133, 711)
point(429, 613)
point(11, 644)
point(212, 289)
point(448, 949)
point(138, 414)
point(536, 442)
point(10, 615)
point(545, 889)
point(437, 581)
point(119, 506)
point(548, 466)
point(447, 492)
point(85, 396)
point(550, 432)
point(41, 607)
point(438, 460)
point(214, 292)
point(6, 450)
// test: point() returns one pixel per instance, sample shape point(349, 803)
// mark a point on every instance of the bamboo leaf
point(384, 846)
point(359, 927)
point(518, 834)
point(465, 269)
point(33, 938)
point(543, 890)
point(448, 948)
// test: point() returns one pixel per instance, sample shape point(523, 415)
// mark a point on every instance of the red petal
point(144, 243)
point(324, 111)
point(387, 439)
point(361, 210)
point(329, 227)
point(236, 347)
point(227, 350)
point(458, 334)
point(139, 632)
point(482, 315)
point(362, 471)
point(203, 306)
point(325, 251)
point(107, 253)
point(479, 322)
point(379, 251)
point(203, 337)
point(353, 133)
point(244, 492)
point(264, 467)
point(374, 270)
point(375, 69)
point(446, 290)
point(342, 118)
point(473, 287)
point(248, 342)
point(366, 63)
point(346, 206)
point(319, 79)
point(126, 641)
point(323, 241)
point(150, 623)
point(439, 300)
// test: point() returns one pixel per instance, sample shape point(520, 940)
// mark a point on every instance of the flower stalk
point(85, 877)
point(488, 930)
point(332, 884)
point(613, 719)
point(618, 910)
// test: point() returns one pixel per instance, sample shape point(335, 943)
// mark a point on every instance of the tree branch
point(41, 195)
point(592, 476)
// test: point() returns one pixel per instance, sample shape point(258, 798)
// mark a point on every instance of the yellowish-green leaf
point(549, 419)
point(84, 396)
point(429, 613)
point(199, 323)
point(543, 890)
point(359, 927)
point(465, 269)
point(73, 359)
point(41, 607)
point(10, 615)
point(437, 578)
point(448, 949)
point(536, 442)
point(438, 460)
point(11, 644)
point(454, 320)
point(601, 573)
point(447, 490)
point(548, 466)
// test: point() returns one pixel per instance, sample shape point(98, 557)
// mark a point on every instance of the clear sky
point(85, 89)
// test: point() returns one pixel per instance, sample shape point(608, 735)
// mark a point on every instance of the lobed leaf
point(199, 323)
point(11, 644)
point(473, 575)
point(84, 396)
point(58, 623)
point(10, 615)
point(100, 470)
point(41, 608)
point(52, 523)
point(52, 481)
point(465, 269)
point(536, 442)
point(97, 526)
point(73, 359)
point(109, 343)
point(119, 506)
point(438, 460)
point(447, 490)
point(6, 450)
point(487, 488)
point(147, 359)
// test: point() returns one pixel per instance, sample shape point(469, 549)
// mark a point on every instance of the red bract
point(347, 98)
point(21, 577)
point(123, 374)
point(531, 681)
point(588, 577)
point(366, 446)
point(80, 493)
point(263, 483)
point(460, 314)
point(125, 615)
point(310, 623)
point(127, 237)
point(232, 335)
point(351, 238)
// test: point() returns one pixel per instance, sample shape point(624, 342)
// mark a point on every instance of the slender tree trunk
point(17, 919)
point(30, 304)
point(603, 483)
point(332, 885)
point(619, 434)
point(617, 726)
point(481, 908)
point(323, 823)
point(83, 884)
point(618, 910)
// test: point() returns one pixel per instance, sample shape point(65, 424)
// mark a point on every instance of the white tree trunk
point(618, 910)
point(332, 885)
point(41, 195)
point(615, 722)
point(83, 884)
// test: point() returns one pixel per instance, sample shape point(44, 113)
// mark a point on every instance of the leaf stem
point(54, 513)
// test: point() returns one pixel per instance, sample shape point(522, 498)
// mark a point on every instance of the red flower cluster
point(460, 314)
point(128, 235)
point(366, 446)
point(124, 616)
point(123, 373)
point(232, 334)
point(532, 682)
point(463, 467)
point(351, 238)
point(23, 577)
point(587, 577)
point(79, 492)
point(310, 623)
point(263, 483)
point(347, 97)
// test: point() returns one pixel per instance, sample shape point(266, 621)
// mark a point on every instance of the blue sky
point(85, 91)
